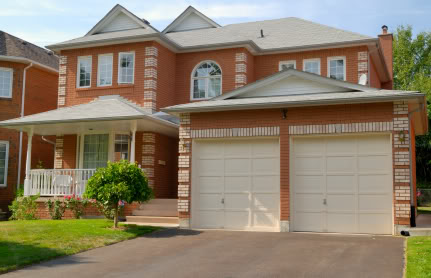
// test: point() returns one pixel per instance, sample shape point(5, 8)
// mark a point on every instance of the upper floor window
point(284, 65)
point(206, 81)
point(337, 68)
point(104, 71)
point(312, 66)
point(84, 72)
point(6, 76)
point(126, 67)
point(4, 149)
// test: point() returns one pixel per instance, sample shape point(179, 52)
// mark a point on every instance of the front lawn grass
point(418, 257)
point(26, 242)
point(424, 210)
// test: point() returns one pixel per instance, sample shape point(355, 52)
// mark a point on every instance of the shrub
point(56, 209)
point(119, 181)
point(24, 208)
point(76, 205)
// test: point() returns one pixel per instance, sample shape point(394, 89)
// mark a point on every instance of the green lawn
point(424, 210)
point(419, 257)
point(26, 242)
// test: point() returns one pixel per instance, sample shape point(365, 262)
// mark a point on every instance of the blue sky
point(45, 22)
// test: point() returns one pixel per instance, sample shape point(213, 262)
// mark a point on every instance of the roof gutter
point(27, 61)
point(251, 106)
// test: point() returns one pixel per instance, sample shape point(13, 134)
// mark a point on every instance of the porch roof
point(106, 112)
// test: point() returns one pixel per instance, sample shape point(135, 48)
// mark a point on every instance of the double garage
point(340, 184)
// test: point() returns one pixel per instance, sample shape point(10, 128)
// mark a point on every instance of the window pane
point(95, 151)
point(214, 88)
point(126, 67)
point(121, 147)
point(105, 70)
point(3, 158)
point(336, 69)
point(84, 65)
point(312, 67)
point(5, 83)
point(206, 81)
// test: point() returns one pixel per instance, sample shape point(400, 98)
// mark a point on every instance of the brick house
point(277, 125)
point(28, 85)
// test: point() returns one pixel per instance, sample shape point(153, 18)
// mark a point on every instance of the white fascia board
point(27, 61)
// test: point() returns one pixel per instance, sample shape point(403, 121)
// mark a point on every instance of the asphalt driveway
point(183, 253)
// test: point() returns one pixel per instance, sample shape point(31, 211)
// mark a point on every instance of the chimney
point(385, 40)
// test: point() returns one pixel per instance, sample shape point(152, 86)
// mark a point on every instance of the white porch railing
point(58, 182)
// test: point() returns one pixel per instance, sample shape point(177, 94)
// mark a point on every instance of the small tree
point(119, 181)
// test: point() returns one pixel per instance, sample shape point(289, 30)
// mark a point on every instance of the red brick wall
point(299, 116)
point(166, 68)
point(41, 95)
point(374, 77)
point(165, 176)
point(69, 152)
point(386, 41)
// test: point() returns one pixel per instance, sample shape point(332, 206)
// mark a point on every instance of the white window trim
point(78, 72)
point(290, 62)
point(6, 164)
point(312, 60)
point(98, 69)
point(11, 82)
point(119, 67)
point(193, 78)
point(337, 58)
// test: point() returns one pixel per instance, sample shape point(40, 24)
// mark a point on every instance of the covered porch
point(110, 128)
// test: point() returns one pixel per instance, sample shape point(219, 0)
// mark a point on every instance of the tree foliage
point(119, 181)
point(412, 71)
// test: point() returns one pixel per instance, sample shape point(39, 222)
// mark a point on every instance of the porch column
point(133, 143)
point(27, 181)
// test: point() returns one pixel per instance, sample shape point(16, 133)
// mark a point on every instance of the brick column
point(62, 81)
point(401, 163)
point(148, 151)
point(363, 64)
point(150, 79)
point(184, 169)
point(58, 160)
point(240, 69)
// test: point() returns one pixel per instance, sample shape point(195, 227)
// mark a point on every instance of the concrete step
point(163, 201)
point(156, 212)
point(152, 219)
point(419, 231)
point(167, 206)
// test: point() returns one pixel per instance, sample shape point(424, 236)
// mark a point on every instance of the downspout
point(20, 133)
point(48, 141)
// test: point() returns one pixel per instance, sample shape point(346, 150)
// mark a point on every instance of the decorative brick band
point(148, 151)
point(62, 81)
point(240, 69)
point(183, 205)
point(58, 161)
point(151, 51)
point(341, 128)
point(150, 82)
point(235, 132)
point(362, 63)
point(184, 148)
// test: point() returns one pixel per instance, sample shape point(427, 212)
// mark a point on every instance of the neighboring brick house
point(284, 124)
point(30, 70)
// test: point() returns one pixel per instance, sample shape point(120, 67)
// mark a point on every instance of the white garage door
point(236, 184)
point(342, 184)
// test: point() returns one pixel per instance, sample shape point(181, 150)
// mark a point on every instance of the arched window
point(206, 81)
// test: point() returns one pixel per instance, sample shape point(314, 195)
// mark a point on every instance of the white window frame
point(337, 58)
point(290, 62)
point(11, 81)
point(119, 67)
point(192, 78)
point(78, 75)
point(312, 60)
point(98, 68)
point(4, 183)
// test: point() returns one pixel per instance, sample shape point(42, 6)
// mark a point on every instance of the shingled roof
point(16, 47)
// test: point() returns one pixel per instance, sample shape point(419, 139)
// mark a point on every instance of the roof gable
point(292, 82)
point(118, 19)
point(190, 19)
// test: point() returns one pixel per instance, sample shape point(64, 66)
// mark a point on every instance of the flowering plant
point(76, 204)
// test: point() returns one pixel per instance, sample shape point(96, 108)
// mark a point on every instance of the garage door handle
point(222, 200)
point(324, 201)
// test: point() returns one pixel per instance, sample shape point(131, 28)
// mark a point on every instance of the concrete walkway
point(182, 253)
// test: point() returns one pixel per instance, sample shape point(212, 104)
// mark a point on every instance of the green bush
point(118, 182)
point(56, 209)
point(76, 204)
point(24, 208)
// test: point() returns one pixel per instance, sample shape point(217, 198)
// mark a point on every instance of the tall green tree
point(412, 71)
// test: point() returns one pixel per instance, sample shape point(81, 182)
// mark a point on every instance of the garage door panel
point(309, 146)
point(237, 166)
point(265, 201)
point(313, 202)
point(343, 203)
point(340, 145)
point(236, 201)
point(210, 167)
point(210, 201)
point(373, 163)
point(375, 223)
point(376, 183)
point(309, 184)
point(265, 166)
point(308, 221)
point(210, 219)
point(341, 164)
point(237, 220)
point(237, 149)
point(341, 223)
point(210, 150)
point(309, 164)
point(340, 184)
point(374, 144)
point(265, 148)
point(265, 219)
point(210, 184)
point(380, 203)
point(236, 184)
point(266, 183)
